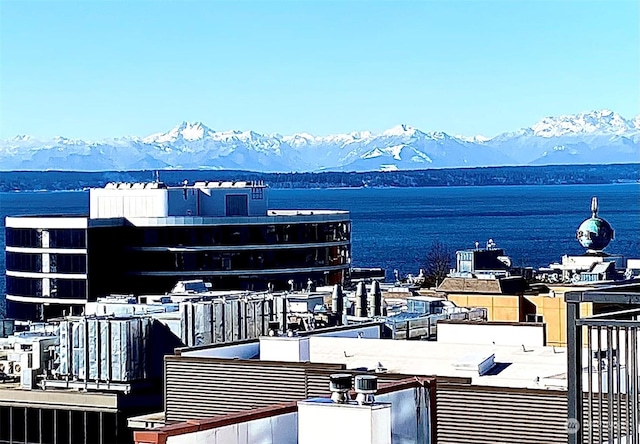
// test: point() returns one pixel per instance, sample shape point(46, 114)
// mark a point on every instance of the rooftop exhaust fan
point(366, 388)
point(340, 384)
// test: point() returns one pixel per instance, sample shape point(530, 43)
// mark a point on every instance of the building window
point(68, 263)
point(535, 318)
point(24, 237)
point(237, 205)
point(68, 288)
point(18, 286)
point(67, 238)
point(24, 262)
point(257, 193)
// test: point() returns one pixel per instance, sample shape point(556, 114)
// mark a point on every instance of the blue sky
point(97, 69)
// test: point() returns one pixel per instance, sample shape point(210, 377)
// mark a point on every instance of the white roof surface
point(516, 366)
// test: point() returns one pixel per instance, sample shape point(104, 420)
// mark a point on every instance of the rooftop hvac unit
point(11, 369)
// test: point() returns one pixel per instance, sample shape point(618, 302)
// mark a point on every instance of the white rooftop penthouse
point(155, 199)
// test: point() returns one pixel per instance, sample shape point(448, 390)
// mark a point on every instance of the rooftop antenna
point(594, 206)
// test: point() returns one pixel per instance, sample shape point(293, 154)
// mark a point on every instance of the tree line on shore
point(487, 176)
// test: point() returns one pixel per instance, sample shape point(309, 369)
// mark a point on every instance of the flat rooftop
point(11, 394)
point(516, 366)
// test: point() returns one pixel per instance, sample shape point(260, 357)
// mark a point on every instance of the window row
point(37, 263)
point(47, 426)
point(46, 238)
point(241, 260)
point(57, 288)
point(243, 235)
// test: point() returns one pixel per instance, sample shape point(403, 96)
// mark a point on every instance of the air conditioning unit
point(17, 369)
point(10, 368)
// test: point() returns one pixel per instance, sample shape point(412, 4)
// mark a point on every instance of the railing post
point(574, 368)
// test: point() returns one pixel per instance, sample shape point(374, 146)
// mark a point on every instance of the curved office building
point(143, 238)
point(46, 260)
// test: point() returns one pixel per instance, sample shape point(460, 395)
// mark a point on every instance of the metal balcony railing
point(603, 378)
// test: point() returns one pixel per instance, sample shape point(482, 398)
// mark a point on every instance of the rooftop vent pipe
point(340, 384)
point(361, 300)
point(337, 302)
point(366, 388)
point(375, 300)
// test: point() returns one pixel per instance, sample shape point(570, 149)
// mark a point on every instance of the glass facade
point(53, 274)
point(256, 260)
point(22, 286)
point(58, 288)
point(68, 263)
point(26, 262)
point(67, 238)
point(37, 238)
point(24, 237)
point(68, 288)
point(141, 260)
point(127, 259)
point(58, 263)
point(229, 235)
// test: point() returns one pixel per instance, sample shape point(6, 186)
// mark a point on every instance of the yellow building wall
point(554, 314)
point(505, 308)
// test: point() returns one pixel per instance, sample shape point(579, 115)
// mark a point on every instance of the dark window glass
point(24, 262)
point(237, 205)
point(68, 288)
point(68, 263)
point(146, 261)
point(67, 238)
point(19, 286)
point(241, 235)
point(24, 237)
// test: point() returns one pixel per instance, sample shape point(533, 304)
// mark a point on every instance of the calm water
point(394, 227)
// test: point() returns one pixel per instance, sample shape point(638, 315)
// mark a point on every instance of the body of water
point(394, 227)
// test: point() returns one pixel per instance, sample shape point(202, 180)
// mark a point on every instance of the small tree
point(438, 263)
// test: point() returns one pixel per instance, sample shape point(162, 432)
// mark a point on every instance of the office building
point(142, 238)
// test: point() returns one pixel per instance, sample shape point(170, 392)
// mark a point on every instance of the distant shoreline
point(19, 181)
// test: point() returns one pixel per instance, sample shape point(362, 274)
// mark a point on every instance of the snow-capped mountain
point(594, 137)
point(595, 122)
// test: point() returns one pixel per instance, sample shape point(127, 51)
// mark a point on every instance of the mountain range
point(596, 137)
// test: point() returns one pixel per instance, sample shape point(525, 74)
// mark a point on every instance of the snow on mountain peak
point(603, 121)
point(591, 137)
point(474, 139)
point(399, 130)
point(186, 131)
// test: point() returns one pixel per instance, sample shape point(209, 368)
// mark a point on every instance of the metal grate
point(205, 387)
point(476, 414)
